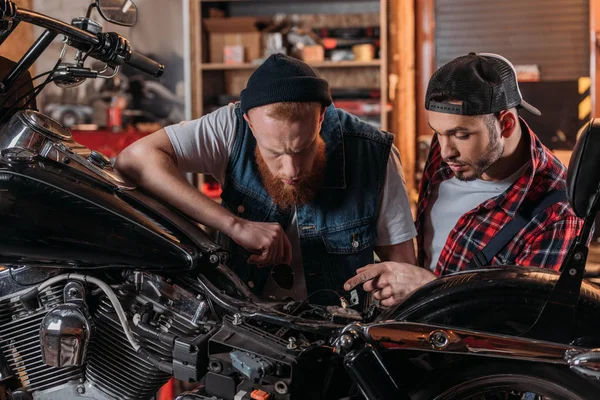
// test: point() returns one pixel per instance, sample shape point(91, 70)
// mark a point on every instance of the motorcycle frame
point(361, 345)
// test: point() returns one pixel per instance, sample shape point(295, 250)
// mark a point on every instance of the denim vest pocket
point(351, 240)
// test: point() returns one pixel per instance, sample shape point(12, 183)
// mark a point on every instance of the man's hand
point(390, 281)
point(266, 239)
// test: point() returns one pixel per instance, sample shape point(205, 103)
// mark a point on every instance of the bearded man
point(307, 188)
point(491, 192)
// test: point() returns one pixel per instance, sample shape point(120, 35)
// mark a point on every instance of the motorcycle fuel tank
point(63, 205)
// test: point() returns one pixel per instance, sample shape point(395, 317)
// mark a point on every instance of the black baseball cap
point(485, 83)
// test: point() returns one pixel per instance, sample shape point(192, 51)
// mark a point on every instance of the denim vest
point(337, 230)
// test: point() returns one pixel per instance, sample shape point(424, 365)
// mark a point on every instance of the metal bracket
point(74, 292)
point(564, 298)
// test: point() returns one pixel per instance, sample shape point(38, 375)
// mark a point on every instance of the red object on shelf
point(112, 143)
point(106, 141)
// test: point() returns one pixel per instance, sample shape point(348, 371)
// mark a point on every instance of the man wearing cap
point(304, 184)
point(491, 192)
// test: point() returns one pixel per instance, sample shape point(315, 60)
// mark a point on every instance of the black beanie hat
point(283, 78)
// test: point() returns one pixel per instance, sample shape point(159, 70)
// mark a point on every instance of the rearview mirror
point(120, 12)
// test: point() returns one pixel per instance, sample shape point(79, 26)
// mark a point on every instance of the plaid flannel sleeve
point(549, 248)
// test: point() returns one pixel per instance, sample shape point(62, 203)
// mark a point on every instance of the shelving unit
point(395, 72)
point(325, 64)
point(211, 78)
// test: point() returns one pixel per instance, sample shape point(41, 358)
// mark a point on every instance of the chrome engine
point(59, 347)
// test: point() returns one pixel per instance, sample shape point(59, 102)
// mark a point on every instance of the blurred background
point(377, 55)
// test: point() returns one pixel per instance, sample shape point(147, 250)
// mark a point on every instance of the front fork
point(366, 368)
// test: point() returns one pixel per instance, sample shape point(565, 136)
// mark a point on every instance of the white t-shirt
point(204, 145)
point(450, 200)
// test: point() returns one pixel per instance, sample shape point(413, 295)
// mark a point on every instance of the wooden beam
point(196, 56)
point(196, 69)
point(425, 49)
point(383, 28)
point(402, 88)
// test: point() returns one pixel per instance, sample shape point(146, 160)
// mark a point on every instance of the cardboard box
point(235, 31)
point(234, 54)
point(311, 54)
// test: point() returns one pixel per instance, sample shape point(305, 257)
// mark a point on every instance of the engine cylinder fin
point(134, 378)
point(20, 343)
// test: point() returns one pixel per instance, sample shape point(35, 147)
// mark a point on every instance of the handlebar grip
point(145, 64)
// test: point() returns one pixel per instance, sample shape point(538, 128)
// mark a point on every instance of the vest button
point(241, 208)
point(251, 284)
point(355, 244)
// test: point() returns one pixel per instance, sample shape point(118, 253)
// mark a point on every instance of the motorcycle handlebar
point(87, 41)
point(145, 64)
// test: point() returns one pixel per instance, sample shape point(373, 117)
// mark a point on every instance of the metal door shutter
point(554, 34)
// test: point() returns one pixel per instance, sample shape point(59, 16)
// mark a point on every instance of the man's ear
point(247, 118)
point(322, 116)
point(508, 123)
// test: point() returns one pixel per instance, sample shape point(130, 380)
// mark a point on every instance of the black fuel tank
point(54, 215)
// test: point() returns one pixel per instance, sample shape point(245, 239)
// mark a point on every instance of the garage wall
point(160, 31)
point(553, 34)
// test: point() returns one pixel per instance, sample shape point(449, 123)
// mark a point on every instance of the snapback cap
point(485, 83)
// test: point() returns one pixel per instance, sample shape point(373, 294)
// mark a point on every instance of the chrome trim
point(433, 338)
point(42, 135)
point(64, 336)
point(74, 390)
point(585, 363)
point(74, 292)
point(15, 281)
point(44, 125)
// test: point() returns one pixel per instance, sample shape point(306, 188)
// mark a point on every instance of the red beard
point(304, 191)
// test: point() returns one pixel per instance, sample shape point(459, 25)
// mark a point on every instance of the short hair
point(442, 96)
point(291, 111)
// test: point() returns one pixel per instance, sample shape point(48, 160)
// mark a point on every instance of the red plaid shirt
point(543, 243)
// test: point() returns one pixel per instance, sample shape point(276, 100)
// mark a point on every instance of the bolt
point(213, 259)
point(572, 272)
point(570, 354)
point(346, 341)
point(215, 367)
point(73, 292)
point(237, 319)
point(281, 387)
point(439, 340)
point(291, 343)
point(81, 389)
point(578, 256)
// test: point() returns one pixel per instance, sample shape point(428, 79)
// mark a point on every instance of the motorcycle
point(107, 292)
